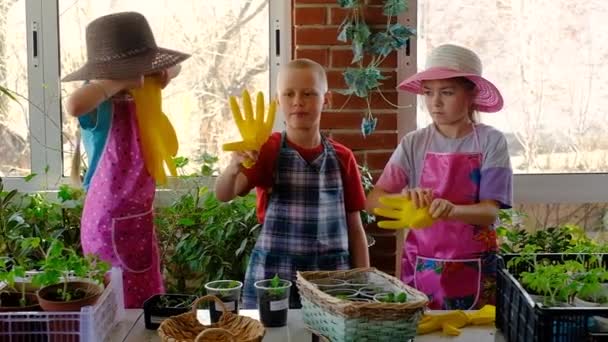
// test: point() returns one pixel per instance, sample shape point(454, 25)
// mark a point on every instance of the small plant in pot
point(16, 296)
point(59, 291)
point(591, 290)
point(343, 293)
point(328, 283)
point(229, 292)
point(554, 282)
point(162, 306)
point(398, 297)
point(273, 301)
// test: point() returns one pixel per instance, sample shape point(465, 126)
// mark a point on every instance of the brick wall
point(315, 34)
point(315, 31)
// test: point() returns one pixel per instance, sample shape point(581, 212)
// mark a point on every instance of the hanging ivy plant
point(362, 79)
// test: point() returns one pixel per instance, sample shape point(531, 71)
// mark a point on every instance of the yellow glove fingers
point(169, 135)
point(395, 202)
point(249, 120)
point(389, 213)
point(392, 224)
point(450, 330)
point(259, 114)
point(238, 117)
point(239, 146)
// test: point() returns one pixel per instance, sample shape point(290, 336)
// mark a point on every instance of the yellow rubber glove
point(158, 139)
point(403, 211)
point(451, 322)
point(485, 315)
point(254, 130)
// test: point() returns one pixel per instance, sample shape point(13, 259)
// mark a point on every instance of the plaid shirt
point(305, 226)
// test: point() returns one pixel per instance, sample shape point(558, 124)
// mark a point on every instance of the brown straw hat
point(122, 46)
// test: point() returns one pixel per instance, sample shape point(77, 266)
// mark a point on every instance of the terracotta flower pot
point(49, 299)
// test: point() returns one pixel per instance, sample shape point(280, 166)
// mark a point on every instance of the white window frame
point(572, 188)
point(44, 88)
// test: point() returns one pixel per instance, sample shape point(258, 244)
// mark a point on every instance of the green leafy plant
point(554, 281)
point(204, 239)
point(15, 268)
point(368, 184)
point(61, 263)
point(276, 286)
point(399, 297)
point(590, 285)
point(174, 302)
point(376, 44)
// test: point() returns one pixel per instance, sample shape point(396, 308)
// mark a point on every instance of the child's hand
point(421, 197)
point(168, 74)
point(132, 83)
point(441, 208)
point(243, 157)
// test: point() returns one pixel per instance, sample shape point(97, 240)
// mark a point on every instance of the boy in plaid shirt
point(308, 186)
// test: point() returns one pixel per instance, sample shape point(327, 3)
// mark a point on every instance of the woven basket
point(342, 320)
point(230, 327)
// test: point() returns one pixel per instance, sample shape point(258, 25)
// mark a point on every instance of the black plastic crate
point(520, 319)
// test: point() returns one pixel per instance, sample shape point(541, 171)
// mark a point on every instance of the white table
point(132, 329)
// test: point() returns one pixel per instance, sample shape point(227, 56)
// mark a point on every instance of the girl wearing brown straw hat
point(117, 222)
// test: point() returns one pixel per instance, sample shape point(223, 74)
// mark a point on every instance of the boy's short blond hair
point(305, 63)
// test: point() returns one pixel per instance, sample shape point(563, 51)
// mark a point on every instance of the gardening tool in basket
point(230, 327)
point(254, 130)
point(405, 214)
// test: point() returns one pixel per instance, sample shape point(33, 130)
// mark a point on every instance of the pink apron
point(452, 262)
point(117, 220)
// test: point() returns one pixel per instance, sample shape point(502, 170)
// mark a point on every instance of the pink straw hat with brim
point(450, 61)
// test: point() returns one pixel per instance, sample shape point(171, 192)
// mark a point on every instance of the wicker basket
point(343, 320)
point(230, 327)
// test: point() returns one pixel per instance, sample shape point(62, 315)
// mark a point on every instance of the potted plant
point(162, 306)
point(229, 292)
point(398, 297)
point(328, 283)
point(13, 272)
point(591, 290)
point(368, 292)
point(273, 301)
point(204, 239)
point(342, 293)
point(553, 281)
point(59, 290)
point(375, 44)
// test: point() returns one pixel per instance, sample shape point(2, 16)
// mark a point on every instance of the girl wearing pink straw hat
point(460, 170)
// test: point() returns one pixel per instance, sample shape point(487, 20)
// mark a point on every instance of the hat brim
point(150, 62)
point(488, 98)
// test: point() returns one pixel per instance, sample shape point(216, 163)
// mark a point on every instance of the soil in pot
point(160, 307)
point(11, 302)
point(229, 292)
point(343, 293)
point(273, 301)
point(83, 294)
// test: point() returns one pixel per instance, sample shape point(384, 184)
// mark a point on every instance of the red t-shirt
point(261, 174)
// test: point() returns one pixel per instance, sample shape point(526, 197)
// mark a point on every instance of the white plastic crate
point(90, 324)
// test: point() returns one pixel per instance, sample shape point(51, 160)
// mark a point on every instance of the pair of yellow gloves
point(451, 322)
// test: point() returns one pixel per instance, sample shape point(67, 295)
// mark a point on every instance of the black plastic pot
point(162, 306)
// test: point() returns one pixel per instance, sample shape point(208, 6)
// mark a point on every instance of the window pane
point(549, 66)
point(14, 121)
point(229, 43)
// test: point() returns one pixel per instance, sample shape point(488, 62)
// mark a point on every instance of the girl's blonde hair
point(469, 86)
